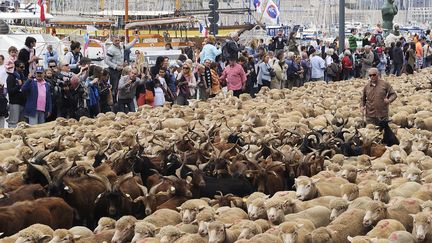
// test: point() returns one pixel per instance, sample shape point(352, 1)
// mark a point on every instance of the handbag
point(110, 101)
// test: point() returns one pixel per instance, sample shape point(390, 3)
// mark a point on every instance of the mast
point(126, 20)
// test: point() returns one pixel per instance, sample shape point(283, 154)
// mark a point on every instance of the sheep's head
point(248, 229)
point(321, 235)
point(349, 191)
point(349, 172)
point(422, 223)
point(337, 206)
point(413, 174)
point(30, 235)
point(305, 188)
point(217, 231)
point(143, 230)
point(374, 213)
point(396, 153)
point(62, 236)
point(169, 234)
point(257, 210)
point(384, 177)
point(275, 210)
point(206, 215)
point(380, 192)
point(289, 231)
point(105, 223)
point(124, 229)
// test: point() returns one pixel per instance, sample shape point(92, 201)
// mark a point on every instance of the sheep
point(63, 236)
point(337, 207)
point(207, 214)
point(349, 172)
point(380, 192)
point(296, 231)
point(405, 190)
point(247, 229)
point(307, 188)
point(163, 217)
point(143, 230)
point(359, 239)
point(426, 206)
point(384, 228)
point(401, 237)
point(32, 235)
point(264, 238)
point(422, 230)
point(319, 215)
point(219, 233)
point(256, 210)
point(231, 215)
point(349, 191)
point(190, 208)
point(124, 229)
point(275, 210)
point(413, 174)
point(169, 234)
point(105, 223)
point(394, 154)
point(295, 206)
point(399, 209)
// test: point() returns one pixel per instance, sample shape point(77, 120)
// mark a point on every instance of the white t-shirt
point(3, 75)
point(159, 98)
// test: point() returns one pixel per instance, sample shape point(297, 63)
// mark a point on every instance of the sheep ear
point(178, 208)
point(308, 237)
point(45, 238)
point(228, 225)
point(201, 207)
point(412, 215)
point(350, 239)
point(314, 181)
point(299, 225)
point(77, 237)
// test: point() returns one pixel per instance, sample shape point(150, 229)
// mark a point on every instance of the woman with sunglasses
point(186, 84)
point(17, 98)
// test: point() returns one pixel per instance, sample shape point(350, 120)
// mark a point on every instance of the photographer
point(127, 90)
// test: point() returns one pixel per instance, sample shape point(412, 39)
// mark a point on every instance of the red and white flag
point(41, 4)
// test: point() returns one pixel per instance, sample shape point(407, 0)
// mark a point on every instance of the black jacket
point(398, 56)
point(279, 44)
point(24, 56)
point(16, 96)
point(231, 50)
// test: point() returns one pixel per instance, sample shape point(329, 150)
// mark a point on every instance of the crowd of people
point(69, 85)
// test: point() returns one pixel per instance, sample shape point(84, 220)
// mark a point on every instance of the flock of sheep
point(358, 199)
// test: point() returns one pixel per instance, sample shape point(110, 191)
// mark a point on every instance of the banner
point(41, 4)
point(203, 30)
point(258, 5)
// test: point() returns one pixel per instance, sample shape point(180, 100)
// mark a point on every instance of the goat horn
point(122, 179)
point(225, 152)
point(43, 170)
point(143, 189)
point(221, 194)
point(102, 179)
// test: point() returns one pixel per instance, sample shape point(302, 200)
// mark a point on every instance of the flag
point(258, 5)
point(86, 43)
point(41, 4)
point(203, 30)
point(271, 11)
point(91, 28)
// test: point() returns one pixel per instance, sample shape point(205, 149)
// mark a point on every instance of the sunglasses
point(21, 66)
point(52, 66)
point(187, 68)
point(65, 65)
point(372, 75)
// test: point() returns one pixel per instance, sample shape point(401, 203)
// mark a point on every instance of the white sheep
point(189, 209)
point(319, 215)
point(422, 229)
point(308, 188)
point(384, 228)
point(220, 233)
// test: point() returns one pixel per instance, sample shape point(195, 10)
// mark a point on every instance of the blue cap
point(39, 69)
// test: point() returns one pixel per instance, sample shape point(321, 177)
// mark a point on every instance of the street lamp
point(341, 26)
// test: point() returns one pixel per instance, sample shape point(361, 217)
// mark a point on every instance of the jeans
point(114, 80)
point(125, 105)
point(397, 69)
point(38, 118)
point(16, 114)
point(2, 122)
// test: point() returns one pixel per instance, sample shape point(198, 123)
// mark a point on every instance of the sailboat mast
point(126, 20)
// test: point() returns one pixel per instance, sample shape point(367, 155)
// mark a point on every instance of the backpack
point(226, 50)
